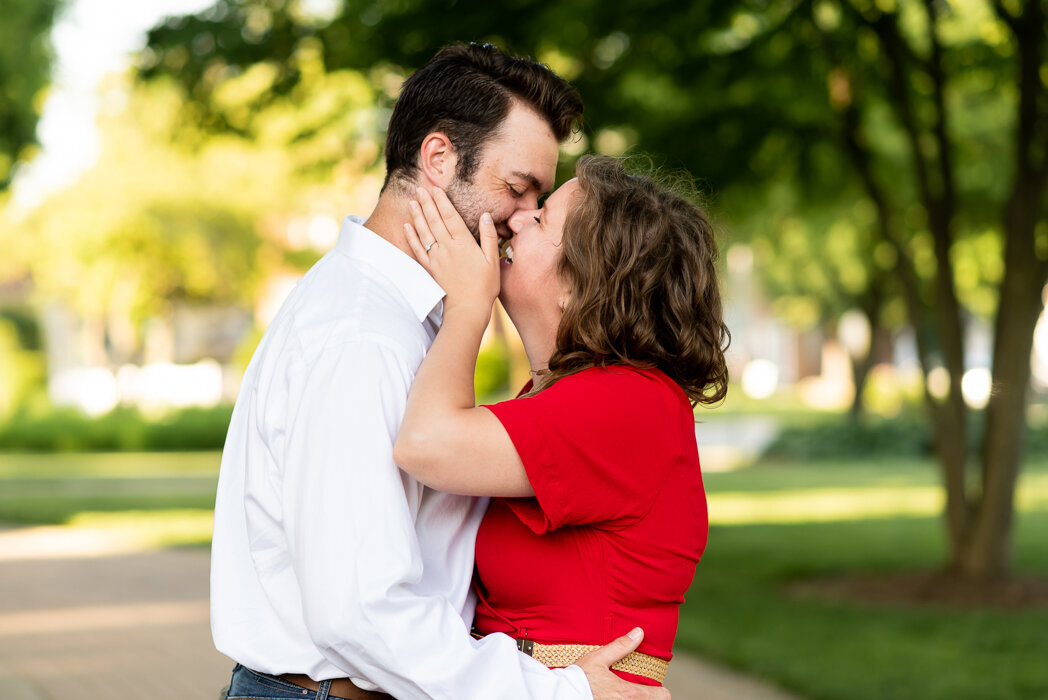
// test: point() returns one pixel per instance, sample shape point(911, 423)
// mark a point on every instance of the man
point(335, 575)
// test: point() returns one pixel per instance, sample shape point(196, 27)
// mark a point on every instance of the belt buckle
point(527, 646)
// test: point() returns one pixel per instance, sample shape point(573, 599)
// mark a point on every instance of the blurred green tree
point(919, 126)
point(172, 214)
point(25, 71)
point(961, 83)
point(21, 369)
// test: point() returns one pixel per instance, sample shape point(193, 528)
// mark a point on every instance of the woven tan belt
point(560, 655)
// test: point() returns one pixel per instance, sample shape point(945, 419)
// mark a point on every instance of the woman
point(601, 516)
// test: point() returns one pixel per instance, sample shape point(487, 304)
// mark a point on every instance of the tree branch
point(942, 139)
point(1042, 170)
point(1008, 18)
point(887, 31)
point(906, 51)
point(1029, 35)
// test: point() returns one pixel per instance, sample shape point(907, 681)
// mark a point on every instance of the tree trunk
point(952, 449)
point(861, 366)
point(860, 373)
point(935, 183)
point(988, 553)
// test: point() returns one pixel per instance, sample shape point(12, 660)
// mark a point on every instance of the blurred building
point(187, 360)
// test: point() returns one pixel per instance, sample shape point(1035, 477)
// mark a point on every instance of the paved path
point(83, 618)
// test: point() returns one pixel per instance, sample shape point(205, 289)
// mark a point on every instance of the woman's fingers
point(450, 215)
point(416, 244)
point(422, 227)
point(489, 238)
point(468, 273)
point(613, 652)
point(436, 223)
point(604, 683)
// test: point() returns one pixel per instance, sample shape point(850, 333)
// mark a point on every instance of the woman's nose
point(520, 218)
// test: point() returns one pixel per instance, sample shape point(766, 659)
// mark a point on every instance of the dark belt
point(341, 688)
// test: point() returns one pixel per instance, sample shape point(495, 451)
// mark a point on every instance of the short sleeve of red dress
point(596, 446)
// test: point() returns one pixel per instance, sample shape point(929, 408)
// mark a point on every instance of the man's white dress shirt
point(327, 559)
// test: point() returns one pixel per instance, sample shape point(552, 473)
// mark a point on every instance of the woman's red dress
point(618, 523)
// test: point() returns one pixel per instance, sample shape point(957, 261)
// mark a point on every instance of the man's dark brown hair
point(465, 92)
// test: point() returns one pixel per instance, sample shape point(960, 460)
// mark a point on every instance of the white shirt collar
point(422, 292)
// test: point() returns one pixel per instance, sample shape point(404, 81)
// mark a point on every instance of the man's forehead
point(524, 148)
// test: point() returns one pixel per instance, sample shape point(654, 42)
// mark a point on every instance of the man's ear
point(437, 160)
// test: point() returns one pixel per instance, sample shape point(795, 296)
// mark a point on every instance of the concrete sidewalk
point(82, 619)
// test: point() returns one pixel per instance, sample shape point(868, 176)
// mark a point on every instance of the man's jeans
point(252, 685)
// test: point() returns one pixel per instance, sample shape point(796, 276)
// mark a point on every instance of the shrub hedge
point(124, 429)
point(840, 438)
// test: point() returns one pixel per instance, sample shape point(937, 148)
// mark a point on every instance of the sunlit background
point(169, 169)
point(150, 269)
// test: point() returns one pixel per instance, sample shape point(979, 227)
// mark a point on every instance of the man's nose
point(529, 200)
point(519, 218)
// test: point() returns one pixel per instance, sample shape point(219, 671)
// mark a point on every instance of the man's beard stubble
point(461, 196)
point(465, 201)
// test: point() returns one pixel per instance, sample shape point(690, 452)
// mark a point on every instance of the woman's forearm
point(445, 441)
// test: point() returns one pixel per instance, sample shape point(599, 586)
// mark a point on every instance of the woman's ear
point(437, 160)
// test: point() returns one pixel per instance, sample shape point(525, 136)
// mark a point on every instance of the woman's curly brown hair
point(641, 262)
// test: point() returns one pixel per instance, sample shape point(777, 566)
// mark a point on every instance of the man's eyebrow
point(532, 180)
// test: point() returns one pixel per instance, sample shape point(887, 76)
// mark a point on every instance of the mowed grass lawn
point(158, 499)
point(775, 524)
point(771, 525)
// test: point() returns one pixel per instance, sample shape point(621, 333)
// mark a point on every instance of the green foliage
point(838, 438)
point(492, 374)
point(25, 71)
point(26, 326)
point(1037, 440)
point(246, 348)
point(623, 60)
point(188, 429)
point(149, 224)
point(122, 429)
point(21, 365)
point(176, 214)
point(749, 97)
point(842, 438)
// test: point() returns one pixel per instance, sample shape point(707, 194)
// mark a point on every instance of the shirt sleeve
point(597, 447)
point(349, 514)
